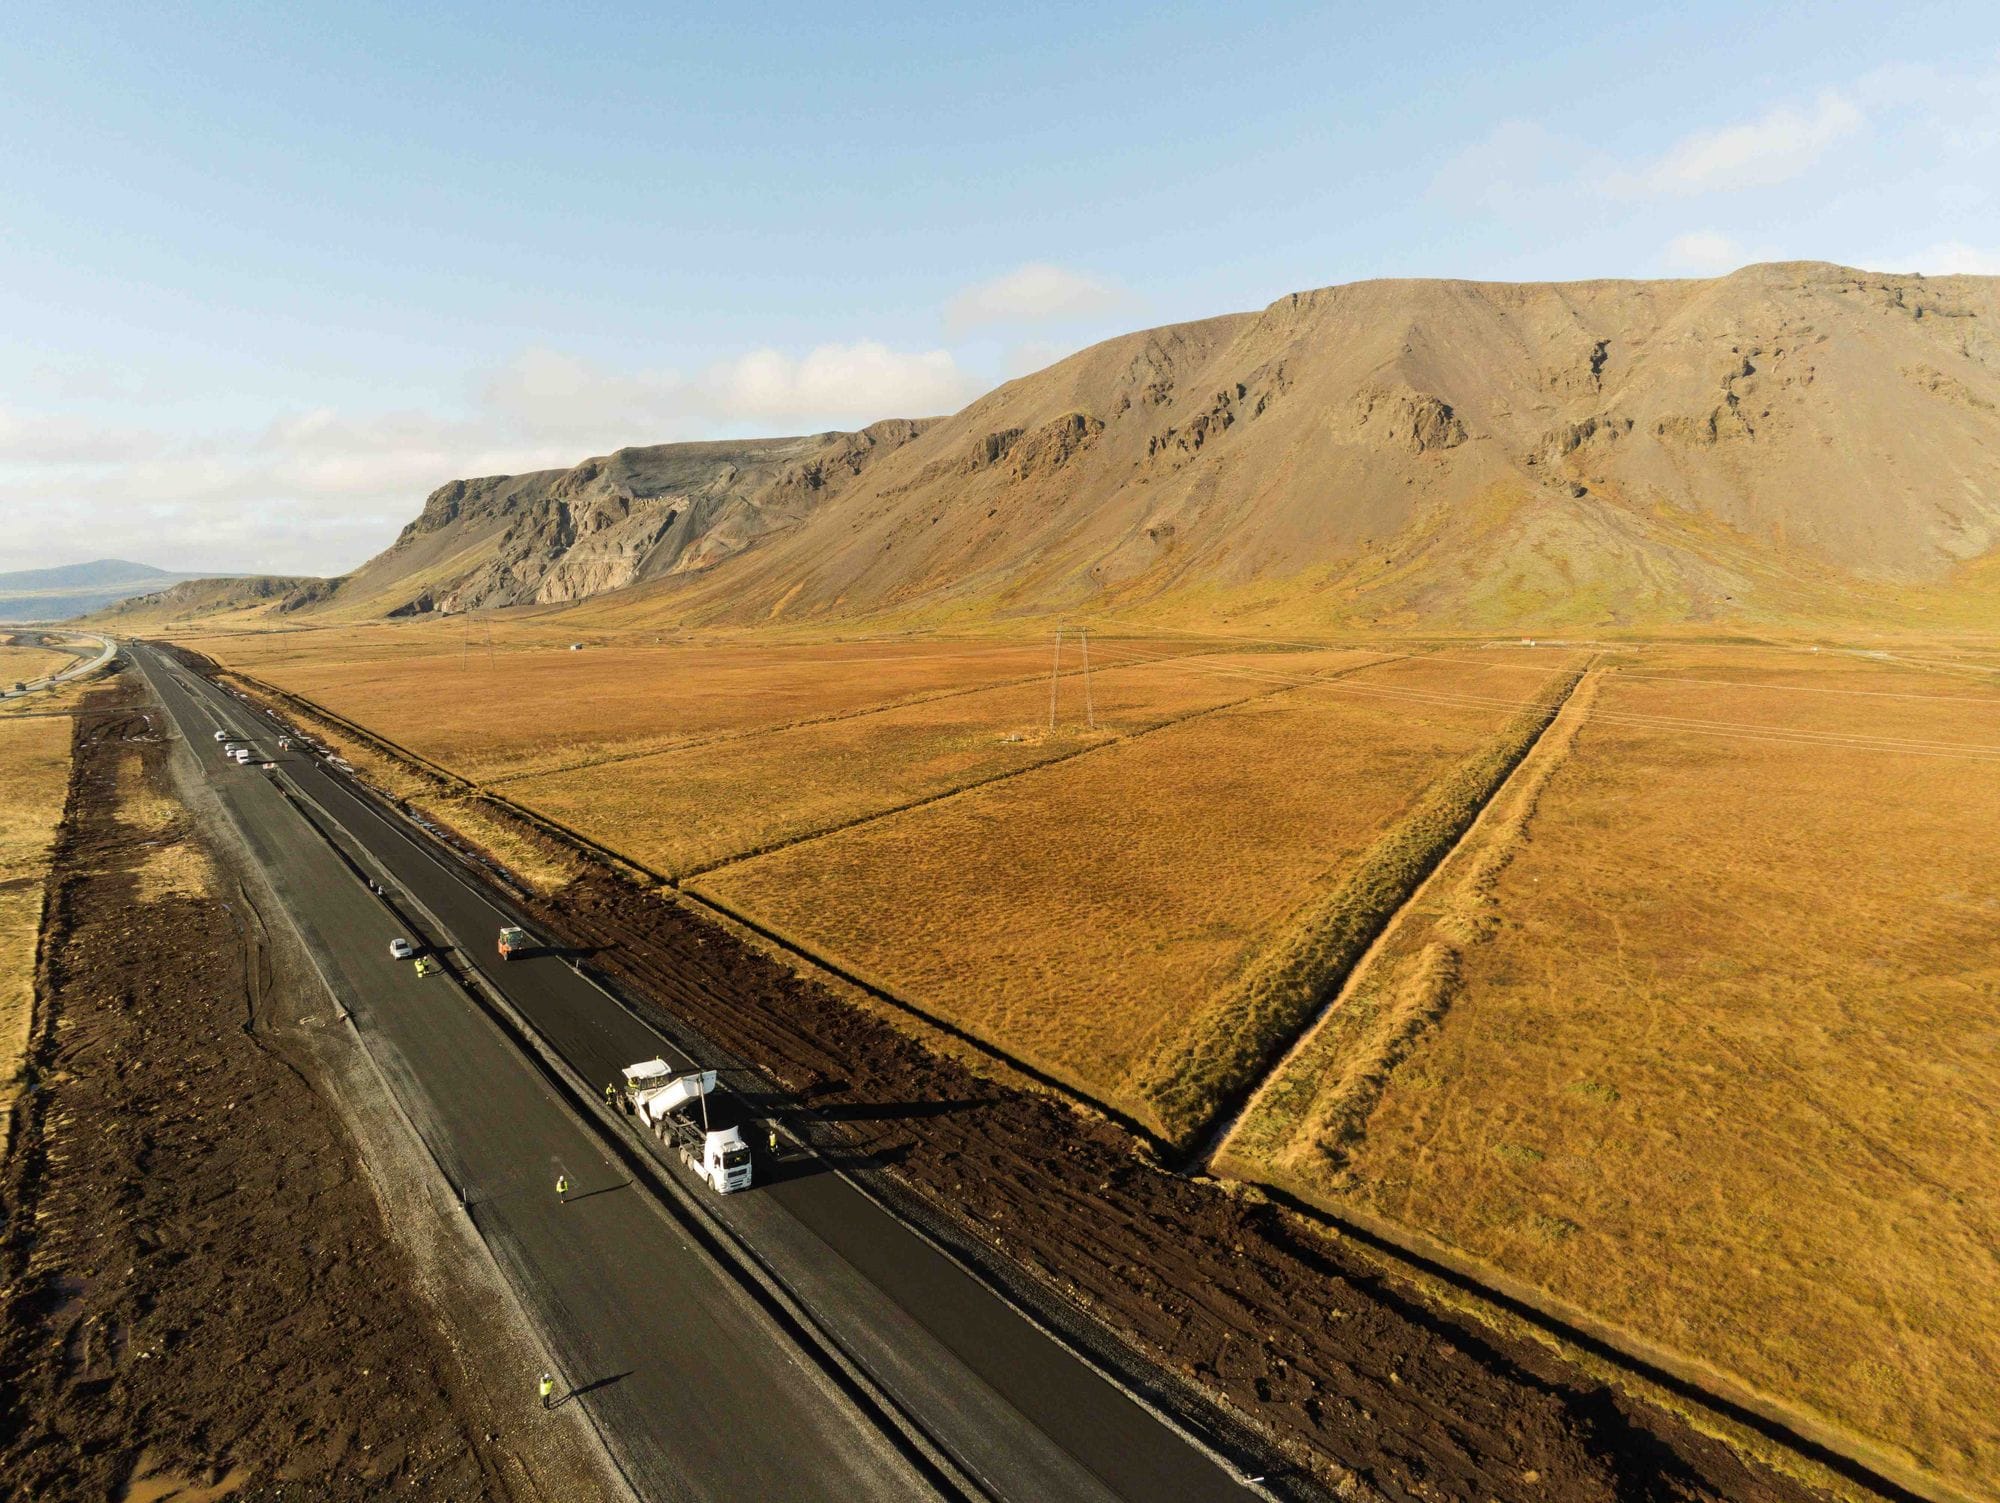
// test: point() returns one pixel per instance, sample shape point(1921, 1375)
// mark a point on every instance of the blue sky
point(269, 274)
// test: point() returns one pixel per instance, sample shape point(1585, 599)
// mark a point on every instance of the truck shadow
point(782, 1105)
point(801, 1164)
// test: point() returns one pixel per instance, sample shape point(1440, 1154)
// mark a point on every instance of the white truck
point(664, 1100)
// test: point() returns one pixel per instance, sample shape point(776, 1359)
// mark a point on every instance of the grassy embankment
point(1193, 1076)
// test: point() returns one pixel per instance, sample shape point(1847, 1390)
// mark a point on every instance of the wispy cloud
point(855, 382)
point(1773, 148)
point(1035, 293)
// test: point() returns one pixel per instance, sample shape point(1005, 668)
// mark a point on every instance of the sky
point(270, 274)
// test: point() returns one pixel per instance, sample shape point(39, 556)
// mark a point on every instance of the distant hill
point(1794, 441)
point(639, 514)
point(76, 589)
point(201, 599)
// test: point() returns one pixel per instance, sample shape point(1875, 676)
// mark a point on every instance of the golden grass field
point(1704, 1042)
point(532, 706)
point(1693, 1032)
point(34, 778)
point(1082, 917)
point(679, 811)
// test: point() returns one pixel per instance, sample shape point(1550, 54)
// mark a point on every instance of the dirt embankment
point(197, 1289)
point(1344, 1368)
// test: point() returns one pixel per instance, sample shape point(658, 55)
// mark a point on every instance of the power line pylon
point(1055, 675)
point(1089, 710)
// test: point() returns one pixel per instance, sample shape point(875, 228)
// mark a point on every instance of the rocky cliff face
point(638, 514)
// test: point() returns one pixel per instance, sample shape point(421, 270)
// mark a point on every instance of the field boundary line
point(1017, 772)
point(882, 708)
point(1237, 1033)
point(1358, 975)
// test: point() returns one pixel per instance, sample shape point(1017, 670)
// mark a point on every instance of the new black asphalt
point(698, 1392)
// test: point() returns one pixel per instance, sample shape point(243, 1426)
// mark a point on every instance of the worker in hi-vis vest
point(548, 1388)
point(562, 1187)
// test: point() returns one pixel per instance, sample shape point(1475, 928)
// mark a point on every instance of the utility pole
point(1055, 674)
point(1089, 710)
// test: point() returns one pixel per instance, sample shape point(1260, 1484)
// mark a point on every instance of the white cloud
point(852, 383)
point(1703, 252)
point(318, 490)
point(1775, 147)
point(1035, 293)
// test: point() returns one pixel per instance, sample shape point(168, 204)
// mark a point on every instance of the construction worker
point(562, 1187)
point(772, 1136)
point(548, 1388)
point(610, 1092)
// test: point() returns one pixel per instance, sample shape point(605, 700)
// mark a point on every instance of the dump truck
point(666, 1102)
point(514, 941)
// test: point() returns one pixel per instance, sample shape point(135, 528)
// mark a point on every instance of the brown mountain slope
point(1768, 440)
point(1798, 441)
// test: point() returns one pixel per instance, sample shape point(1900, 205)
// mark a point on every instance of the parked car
point(401, 949)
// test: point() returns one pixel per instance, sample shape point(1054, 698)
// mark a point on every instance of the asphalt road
point(1013, 1408)
point(84, 663)
point(693, 1387)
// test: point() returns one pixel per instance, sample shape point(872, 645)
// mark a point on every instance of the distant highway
point(107, 650)
point(710, 1399)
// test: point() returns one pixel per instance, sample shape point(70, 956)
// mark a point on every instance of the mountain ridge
point(1794, 438)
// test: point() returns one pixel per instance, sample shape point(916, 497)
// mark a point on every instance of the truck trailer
point(666, 1102)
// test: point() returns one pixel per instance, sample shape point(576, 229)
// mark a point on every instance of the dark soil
point(196, 1284)
point(1339, 1364)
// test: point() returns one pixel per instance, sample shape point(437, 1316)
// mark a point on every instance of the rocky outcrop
point(615, 520)
point(1399, 418)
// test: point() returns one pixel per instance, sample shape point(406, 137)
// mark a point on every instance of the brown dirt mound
point(196, 1286)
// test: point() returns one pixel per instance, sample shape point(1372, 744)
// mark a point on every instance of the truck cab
point(725, 1160)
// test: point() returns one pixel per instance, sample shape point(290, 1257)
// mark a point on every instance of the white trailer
point(666, 1101)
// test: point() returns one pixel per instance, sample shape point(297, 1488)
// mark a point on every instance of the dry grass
point(532, 706)
point(173, 866)
point(34, 777)
point(1080, 916)
point(26, 664)
point(1194, 1074)
point(1718, 1063)
point(681, 811)
point(533, 861)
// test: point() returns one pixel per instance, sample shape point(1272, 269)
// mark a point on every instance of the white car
point(401, 949)
point(222, 735)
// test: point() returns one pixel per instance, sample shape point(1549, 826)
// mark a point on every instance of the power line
point(1055, 677)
